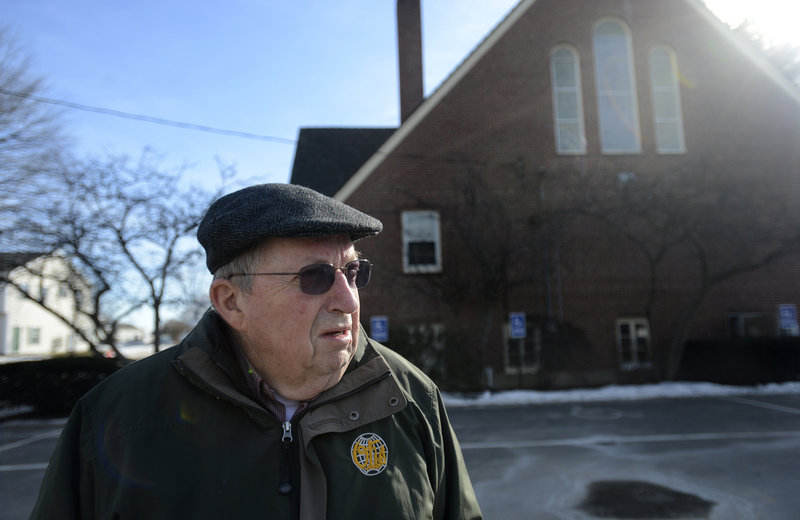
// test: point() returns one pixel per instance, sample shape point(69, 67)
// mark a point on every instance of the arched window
point(666, 101)
point(567, 102)
point(618, 113)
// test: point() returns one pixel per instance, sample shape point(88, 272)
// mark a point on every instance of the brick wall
point(496, 125)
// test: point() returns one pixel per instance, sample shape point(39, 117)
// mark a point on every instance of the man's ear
point(224, 297)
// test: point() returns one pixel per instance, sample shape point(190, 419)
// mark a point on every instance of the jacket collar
point(207, 359)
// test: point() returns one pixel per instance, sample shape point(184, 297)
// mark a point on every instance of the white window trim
point(676, 92)
point(34, 335)
point(578, 90)
point(634, 363)
point(436, 267)
point(633, 90)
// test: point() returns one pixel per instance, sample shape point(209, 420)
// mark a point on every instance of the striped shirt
point(282, 408)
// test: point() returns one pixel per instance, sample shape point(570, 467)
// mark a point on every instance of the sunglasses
point(319, 278)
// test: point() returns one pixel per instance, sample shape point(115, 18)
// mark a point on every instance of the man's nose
point(343, 297)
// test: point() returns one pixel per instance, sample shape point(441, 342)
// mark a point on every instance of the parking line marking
point(52, 434)
point(761, 404)
point(24, 467)
point(627, 439)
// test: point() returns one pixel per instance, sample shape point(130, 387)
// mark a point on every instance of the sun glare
point(776, 20)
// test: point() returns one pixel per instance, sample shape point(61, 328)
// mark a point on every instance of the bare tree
point(725, 226)
point(488, 258)
point(128, 230)
point(152, 224)
point(699, 225)
point(31, 136)
point(124, 228)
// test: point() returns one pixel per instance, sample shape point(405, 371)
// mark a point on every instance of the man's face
point(300, 343)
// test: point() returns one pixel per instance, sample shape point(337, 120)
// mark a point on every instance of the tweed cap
point(241, 219)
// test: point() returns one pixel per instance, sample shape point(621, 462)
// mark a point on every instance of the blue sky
point(266, 67)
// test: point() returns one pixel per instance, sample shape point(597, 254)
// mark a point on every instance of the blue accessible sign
point(379, 328)
point(519, 329)
point(788, 319)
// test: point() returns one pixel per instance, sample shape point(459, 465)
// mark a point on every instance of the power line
point(147, 119)
point(222, 131)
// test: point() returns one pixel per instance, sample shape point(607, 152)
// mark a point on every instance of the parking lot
point(25, 445)
point(722, 458)
point(653, 458)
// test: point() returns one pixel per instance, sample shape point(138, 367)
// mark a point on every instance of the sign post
point(518, 330)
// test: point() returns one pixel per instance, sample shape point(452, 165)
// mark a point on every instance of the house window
point(422, 251)
point(15, 338)
point(617, 106)
point(633, 342)
point(744, 325)
point(34, 335)
point(567, 102)
point(426, 344)
point(666, 101)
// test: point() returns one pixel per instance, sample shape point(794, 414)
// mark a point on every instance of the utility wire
point(147, 119)
point(233, 133)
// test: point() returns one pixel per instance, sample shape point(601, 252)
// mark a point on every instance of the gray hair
point(244, 265)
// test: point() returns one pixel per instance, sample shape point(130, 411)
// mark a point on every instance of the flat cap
point(241, 219)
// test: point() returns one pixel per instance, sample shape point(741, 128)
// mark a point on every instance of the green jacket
point(177, 435)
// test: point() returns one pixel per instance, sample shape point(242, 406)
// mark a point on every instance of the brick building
point(622, 172)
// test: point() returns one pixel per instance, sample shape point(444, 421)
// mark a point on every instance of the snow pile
point(618, 393)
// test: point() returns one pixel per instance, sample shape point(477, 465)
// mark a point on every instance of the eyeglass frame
point(309, 267)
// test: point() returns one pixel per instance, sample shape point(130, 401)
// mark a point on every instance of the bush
point(741, 362)
point(53, 386)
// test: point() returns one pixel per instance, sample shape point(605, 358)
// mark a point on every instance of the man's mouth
point(337, 333)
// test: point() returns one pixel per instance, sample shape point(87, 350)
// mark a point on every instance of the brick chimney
point(409, 50)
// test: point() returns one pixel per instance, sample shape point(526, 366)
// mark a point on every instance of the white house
point(26, 328)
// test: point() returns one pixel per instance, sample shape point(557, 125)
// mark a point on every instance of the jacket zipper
point(287, 432)
point(285, 485)
point(287, 437)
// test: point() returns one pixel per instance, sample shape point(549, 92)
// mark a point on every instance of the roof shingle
point(326, 158)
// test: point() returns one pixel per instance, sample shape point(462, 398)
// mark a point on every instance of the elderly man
point(276, 405)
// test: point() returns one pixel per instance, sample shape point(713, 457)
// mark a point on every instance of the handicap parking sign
point(516, 321)
point(379, 328)
point(788, 317)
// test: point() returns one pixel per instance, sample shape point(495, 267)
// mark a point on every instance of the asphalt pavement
point(722, 458)
point(725, 458)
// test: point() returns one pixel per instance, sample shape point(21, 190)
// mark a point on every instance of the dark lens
point(350, 271)
point(317, 278)
point(363, 272)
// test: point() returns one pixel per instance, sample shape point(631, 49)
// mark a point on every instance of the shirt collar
point(259, 389)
